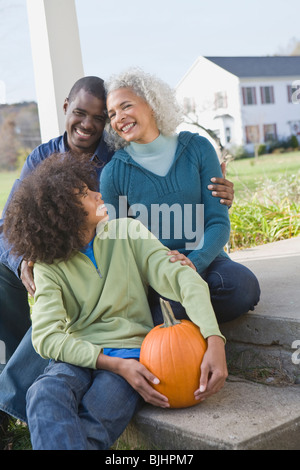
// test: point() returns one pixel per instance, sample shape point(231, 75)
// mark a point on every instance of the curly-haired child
point(90, 313)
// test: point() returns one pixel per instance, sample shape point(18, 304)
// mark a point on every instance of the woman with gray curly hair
point(164, 178)
point(160, 97)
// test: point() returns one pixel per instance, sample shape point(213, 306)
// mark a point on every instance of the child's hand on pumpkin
point(213, 368)
point(138, 376)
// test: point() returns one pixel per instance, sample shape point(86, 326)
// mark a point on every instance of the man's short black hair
point(92, 85)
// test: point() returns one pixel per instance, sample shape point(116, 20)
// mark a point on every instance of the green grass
point(249, 174)
point(7, 180)
point(18, 437)
point(256, 223)
point(267, 199)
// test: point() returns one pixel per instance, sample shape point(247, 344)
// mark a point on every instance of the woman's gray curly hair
point(158, 94)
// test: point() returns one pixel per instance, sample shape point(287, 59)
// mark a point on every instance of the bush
point(273, 214)
point(294, 142)
point(284, 145)
point(262, 149)
point(278, 146)
point(255, 224)
point(239, 152)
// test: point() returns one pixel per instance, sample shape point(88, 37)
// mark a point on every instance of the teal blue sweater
point(170, 205)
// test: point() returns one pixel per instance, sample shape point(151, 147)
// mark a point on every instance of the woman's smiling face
point(131, 116)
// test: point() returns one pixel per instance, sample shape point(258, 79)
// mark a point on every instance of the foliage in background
point(249, 174)
point(272, 214)
point(7, 179)
point(19, 133)
point(285, 145)
point(18, 437)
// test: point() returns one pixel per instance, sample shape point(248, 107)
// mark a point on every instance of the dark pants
point(14, 310)
point(79, 408)
point(234, 290)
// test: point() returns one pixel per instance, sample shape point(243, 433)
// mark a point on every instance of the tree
point(19, 133)
point(296, 49)
point(292, 48)
point(9, 144)
point(221, 150)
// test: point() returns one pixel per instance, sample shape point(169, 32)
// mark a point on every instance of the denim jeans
point(234, 291)
point(20, 372)
point(23, 363)
point(75, 408)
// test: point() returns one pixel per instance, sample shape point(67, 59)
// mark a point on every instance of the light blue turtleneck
point(157, 156)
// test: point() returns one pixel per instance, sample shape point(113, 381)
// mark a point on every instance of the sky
point(164, 37)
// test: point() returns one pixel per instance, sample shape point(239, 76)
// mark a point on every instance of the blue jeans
point(234, 291)
point(18, 375)
point(75, 408)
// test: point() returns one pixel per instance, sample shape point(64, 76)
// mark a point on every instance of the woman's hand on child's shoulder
point(184, 260)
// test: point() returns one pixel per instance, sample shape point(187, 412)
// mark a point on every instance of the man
point(85, 111)
point(85, 121)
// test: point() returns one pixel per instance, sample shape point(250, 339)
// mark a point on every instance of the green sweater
point(78, 310)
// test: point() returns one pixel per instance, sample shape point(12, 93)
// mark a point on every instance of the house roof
point(259, 66)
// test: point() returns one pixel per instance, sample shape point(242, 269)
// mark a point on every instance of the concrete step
point(245, 415)
point(242, 416)
point(270, 335)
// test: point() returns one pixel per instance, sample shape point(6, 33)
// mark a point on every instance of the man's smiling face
point(85, 121)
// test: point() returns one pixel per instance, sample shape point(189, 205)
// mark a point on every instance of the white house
point(244, 100)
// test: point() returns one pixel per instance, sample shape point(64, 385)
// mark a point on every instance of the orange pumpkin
point(173, 352)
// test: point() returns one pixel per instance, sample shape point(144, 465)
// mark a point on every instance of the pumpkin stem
point(168, 315)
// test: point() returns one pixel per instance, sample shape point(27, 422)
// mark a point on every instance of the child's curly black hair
point(44, 219)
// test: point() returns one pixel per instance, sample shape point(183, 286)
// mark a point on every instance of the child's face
point(93, 204)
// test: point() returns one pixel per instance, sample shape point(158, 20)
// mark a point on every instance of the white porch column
point(57, 59)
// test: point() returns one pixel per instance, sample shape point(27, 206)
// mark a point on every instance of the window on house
point(228, 134)
point(270, 132)
point(252, 134)
point(267, 94)
point(249, 95)
point(189, 105)
point(220, 99)
point(295, 127)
